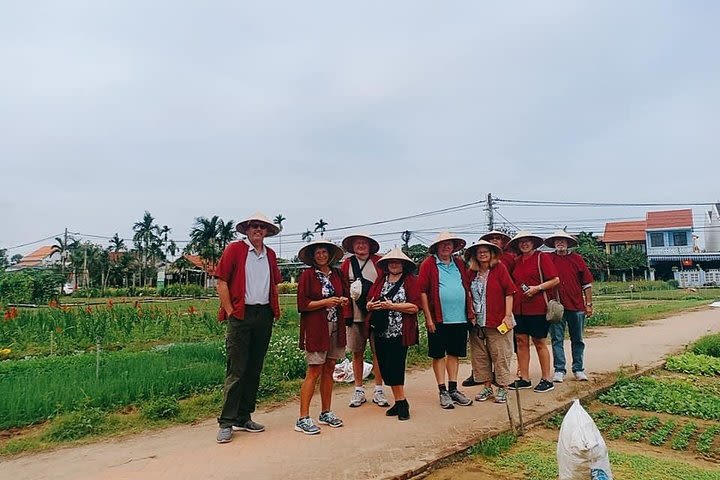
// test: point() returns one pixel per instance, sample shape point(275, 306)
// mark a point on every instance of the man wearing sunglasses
point(248, 275)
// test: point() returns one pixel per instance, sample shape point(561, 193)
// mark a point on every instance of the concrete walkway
point(370, 445)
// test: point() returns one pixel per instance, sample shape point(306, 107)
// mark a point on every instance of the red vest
point(429, 279)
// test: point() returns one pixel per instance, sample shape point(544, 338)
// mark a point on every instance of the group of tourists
point(499, 296)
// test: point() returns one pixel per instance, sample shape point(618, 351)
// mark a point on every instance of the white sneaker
point(358, 398)
point(559, 377)
point(379, 399)
point(581, 376)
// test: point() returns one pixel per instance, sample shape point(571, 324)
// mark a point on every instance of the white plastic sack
point(344, 371)
point(356, 289)
point(581, 450)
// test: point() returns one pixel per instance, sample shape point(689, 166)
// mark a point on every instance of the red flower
point(53, 303)
point(58, 329)
point(88, 309)
point(192, 310)
point(110, 303)
point(11, 313)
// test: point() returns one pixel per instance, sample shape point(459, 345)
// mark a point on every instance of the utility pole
point(490, 215)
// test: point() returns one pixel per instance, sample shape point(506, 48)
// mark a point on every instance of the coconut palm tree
point(204, 239)
point(320, 225)
point(278, 220)
point(117, 244)
point(146, 239)
point(226, 233)
point(307, 236)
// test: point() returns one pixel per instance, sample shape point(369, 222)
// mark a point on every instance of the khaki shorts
point(356, 338)
point(319, 358)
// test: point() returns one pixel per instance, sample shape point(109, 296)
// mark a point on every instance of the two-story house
point(669, 240)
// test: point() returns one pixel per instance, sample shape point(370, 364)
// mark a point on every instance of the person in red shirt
point(395, 294)
point(323, 302)
point(360, 271)
point(507, 257)
point(576, 296)
point(534, 273)
point(492, 292)
point(248, 275)
point(500, 239)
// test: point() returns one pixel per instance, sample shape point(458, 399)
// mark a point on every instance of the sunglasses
point(256, 225)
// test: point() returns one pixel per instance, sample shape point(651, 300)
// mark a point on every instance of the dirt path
point(370, 445)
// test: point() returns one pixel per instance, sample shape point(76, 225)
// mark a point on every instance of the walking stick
point(521, 432)
point(512, 423)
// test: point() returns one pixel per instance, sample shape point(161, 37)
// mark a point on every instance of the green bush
point(29, 286)
point(77, 424)
point(287, 288)
point(708, 345)
point(160, 408)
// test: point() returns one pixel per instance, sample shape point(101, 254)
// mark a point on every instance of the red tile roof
point(199, 263)
point(670, 219)
point(34, 259)
point(620, 232)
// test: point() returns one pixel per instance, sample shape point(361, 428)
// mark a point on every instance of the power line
point(547, 203)
point(33, 243)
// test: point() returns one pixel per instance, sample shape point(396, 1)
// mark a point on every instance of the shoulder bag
point(555, 310)
point(380, 319)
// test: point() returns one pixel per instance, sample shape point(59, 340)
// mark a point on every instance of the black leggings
point(391, 355)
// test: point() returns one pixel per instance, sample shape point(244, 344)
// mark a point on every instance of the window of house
point(680, 239)
point(617, 247)
point(657, 239)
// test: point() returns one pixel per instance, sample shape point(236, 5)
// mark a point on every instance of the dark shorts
point(534, 325)
point(448, 339)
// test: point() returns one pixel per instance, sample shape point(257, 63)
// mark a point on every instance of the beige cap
point(307, 252)
point(347, 242)
point(470, 252)
point(495, 233)
point(537, 241)
point(550, 241)
point(272, 229)
point(399, 255)
point(459, 243)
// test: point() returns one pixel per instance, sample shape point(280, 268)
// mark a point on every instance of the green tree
point(15, 259)
point(629, 259)
point(278, 220)
point(592, 252)
point(321, 226)
point(226, 233)
point(417, 252)
point(4, 262)
point(307, 236)
point(117, 244)
point(147, 241)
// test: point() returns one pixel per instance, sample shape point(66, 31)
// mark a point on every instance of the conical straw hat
point(494, 233)
point(272, 229)
point(306, 253)
point(470, 252)
point(537, 241)
point(347, 242)
point(459, 243)
point(550, 241)
point(399, 255)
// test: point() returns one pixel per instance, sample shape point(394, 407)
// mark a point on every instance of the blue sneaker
point(329, 418)
point(306, 426)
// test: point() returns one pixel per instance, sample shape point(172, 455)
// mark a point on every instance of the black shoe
point(403, 410)
point(544, 386)
point(249, 426)
point(520, 384)
point(393, 411)
point(470, 382)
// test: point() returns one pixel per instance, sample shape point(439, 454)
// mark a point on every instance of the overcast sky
point(353, 113)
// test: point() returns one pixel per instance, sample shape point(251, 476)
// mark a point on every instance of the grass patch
point(160, 408)
point(535, 459)
point(708, 345)
point(492, 447)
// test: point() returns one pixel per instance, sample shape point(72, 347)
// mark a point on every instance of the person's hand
point(532, 291)
point(228, 312)
point(588, 310)
point(508, 321)
point(344, 301)
point(430, 326)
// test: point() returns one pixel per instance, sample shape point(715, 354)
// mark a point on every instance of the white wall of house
point(676, 241)
point(712, 229)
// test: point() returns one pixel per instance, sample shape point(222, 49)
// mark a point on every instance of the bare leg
point(452, 364)
point(523, 355)
point(438, 365)
point(543, 355)
point(308, 388)
point(326, 384)
point(398, 392)
point(357, 363)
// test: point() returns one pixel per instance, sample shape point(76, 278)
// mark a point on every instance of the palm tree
point(117, 244)
point(226, 233)
point(320, 225)
point(307, 236)
point(204, 239)
point(278, 220)
point(147, 239)
point(64, 247)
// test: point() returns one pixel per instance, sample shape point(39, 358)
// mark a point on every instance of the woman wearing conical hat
point(395, 300)
point(534, 273)
point(446, 303)
point(322, 300)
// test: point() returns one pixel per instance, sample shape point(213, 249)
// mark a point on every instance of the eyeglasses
point(256, 225)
